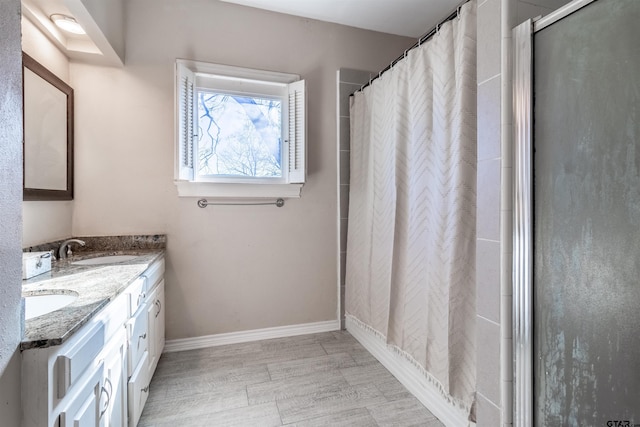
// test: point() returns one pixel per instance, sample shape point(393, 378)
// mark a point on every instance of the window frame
point(191, 75)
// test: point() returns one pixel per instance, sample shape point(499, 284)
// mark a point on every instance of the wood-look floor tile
point(213, 378)
point(352, 418)
point(363, 357)
point(342, 346)
point(157, 390)
point(294, 368)
point(183, 390)
point(378, 375)
point(365, 374)
point(335, 336)
point(404, 413)
point(213, 352)
point(325, 379)
point(288, 342)
point(329, 402)
point(178, 367)
point(265, 415)
point(344, 342)
point(392, 389)
point(295, 386)
point(304, 351)
point(181, 405)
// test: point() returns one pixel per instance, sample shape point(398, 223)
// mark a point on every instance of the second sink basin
point(107, 259)
point(39, 304)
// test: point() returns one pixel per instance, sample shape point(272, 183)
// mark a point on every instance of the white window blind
point(297, 132)
point(185, 87)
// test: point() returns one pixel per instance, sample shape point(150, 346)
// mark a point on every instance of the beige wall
point(494, 251)
point(228, 268)
point(10, 210)
point(45, 221)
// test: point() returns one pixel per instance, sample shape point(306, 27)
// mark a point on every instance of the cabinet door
point(155, 318)
point(138, 331)
point(159, 323)
point(138, 390)
point(113, 403)
point(84, 408)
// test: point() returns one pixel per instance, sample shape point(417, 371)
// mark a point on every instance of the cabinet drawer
point(137, 329)
point(137, 292)
point(154, 274)
point(74, 360)
point(138, 390)
point(114, 316)
point(83, 407)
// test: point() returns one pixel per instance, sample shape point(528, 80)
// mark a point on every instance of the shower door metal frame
point(523, 210)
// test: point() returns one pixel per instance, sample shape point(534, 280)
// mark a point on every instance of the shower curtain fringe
point(397, 350)
point(424, 38)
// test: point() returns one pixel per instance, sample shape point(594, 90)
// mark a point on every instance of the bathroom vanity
point(90, 362)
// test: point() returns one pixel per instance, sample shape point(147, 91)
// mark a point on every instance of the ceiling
point(75, 46)
point(411, 18)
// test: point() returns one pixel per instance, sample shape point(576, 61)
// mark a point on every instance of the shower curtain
point(410, 275)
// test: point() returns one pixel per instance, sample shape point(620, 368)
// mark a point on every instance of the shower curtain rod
point(421, 40)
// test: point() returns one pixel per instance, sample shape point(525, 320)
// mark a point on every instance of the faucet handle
point(65, 250)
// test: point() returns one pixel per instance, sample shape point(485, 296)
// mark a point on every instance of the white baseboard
point(252, 335)
point(449, 414)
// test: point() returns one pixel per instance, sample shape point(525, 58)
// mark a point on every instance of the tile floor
point(325, 379)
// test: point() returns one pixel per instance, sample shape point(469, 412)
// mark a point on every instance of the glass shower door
point(586, 217)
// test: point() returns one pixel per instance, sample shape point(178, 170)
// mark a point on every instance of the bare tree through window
point(239, 135)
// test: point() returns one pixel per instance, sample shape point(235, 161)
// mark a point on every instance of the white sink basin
point(107, 259)
point(37, 305)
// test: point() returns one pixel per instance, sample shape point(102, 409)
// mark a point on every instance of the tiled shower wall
point(348, 82)
point(494, 248)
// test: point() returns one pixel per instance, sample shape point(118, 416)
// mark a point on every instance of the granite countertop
point(96, 286)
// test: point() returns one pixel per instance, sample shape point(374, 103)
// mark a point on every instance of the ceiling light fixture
point(67, 23)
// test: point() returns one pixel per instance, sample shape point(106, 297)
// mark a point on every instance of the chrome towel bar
point(203, 203)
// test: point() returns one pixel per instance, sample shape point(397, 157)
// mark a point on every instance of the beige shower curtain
point(411, 234)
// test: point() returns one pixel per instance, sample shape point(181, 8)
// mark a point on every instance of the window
point(239, 132)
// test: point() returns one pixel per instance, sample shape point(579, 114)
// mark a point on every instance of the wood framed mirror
point(48, 134)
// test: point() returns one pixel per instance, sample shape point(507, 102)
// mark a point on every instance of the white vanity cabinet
point(100, 376)
point(145, 330)
point(146, 346)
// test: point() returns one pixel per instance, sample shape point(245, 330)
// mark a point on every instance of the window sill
point(238, 191)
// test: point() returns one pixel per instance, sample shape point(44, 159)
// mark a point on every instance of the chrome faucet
point(65, 249)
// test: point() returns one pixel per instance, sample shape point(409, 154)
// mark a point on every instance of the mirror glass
point(48, 134)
